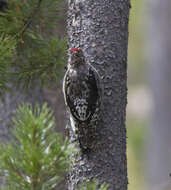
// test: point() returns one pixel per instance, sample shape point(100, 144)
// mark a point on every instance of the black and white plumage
point(82, 90)
point(81, 87)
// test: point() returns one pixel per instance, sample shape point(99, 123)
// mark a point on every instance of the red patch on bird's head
point(74, 50)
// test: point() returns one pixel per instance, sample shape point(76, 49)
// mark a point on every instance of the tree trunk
point(100, 28)
point(159, 56)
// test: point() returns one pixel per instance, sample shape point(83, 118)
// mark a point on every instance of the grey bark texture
point(100, 28)
point(159, 56)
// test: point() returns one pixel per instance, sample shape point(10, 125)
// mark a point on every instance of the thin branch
point(14, 169)
point(33, 13)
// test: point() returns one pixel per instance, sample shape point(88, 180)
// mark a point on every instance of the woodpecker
point(81, 87)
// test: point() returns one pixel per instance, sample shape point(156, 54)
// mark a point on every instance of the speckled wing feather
point(81, 93)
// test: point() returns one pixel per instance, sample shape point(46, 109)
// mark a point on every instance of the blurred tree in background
point(137, 109)
point(159, 58)
point(148, 118)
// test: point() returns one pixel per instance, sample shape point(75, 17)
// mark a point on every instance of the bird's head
point(76, 56)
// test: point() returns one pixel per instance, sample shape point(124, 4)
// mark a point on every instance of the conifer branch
point(14, 169)
point(30, 18)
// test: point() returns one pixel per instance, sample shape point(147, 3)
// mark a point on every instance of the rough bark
point(100, 28)
point(159, 56)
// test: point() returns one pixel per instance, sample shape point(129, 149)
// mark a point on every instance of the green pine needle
point(7, 50)
point(39, 54)
point(92, 185)
point(38, 158)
